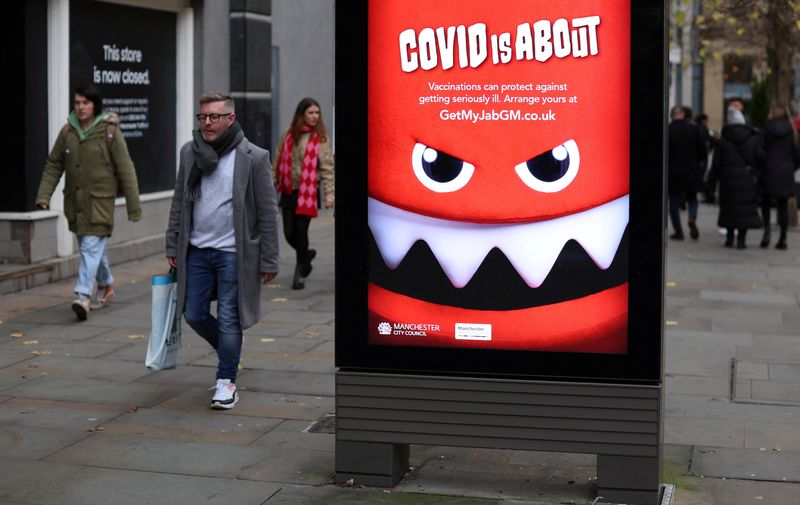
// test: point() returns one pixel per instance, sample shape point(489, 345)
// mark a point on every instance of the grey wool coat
point(255, 220)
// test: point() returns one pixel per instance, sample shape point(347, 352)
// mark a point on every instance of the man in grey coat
point(222, 235)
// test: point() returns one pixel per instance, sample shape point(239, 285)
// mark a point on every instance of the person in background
point(222, 235)
point(779, 143)
point(735, 164)
point(710, 137)
point(304, 151)
point(687, 154)
point(737, 103)
point(92, 154)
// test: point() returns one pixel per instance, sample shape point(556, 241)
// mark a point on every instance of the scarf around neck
point(207, 155)
point(307, 192)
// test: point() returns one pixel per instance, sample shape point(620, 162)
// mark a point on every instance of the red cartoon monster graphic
point(498, 174)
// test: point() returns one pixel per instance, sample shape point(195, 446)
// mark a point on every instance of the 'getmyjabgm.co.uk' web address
point(495, 115)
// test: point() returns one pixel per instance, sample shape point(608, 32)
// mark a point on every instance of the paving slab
point(205, 426)
point(335, 495)
point(746, 369)
point(293, 434)
point(292, 345)
point(258, 404)
point(159, 455)
point(711, 491)
point(269, 326)
point(57, 314)
point(74, 331)
point(8, 359)
point(488, 478)
point(682, 364)
point(750, 298)
point(696, 431)
point(95, 391)
point(303, 317)
point(297, 467)
point(702, 386)
point(68, 367)
point(772, 436)
point(32, 345)
point(315, 362)
point(302, 383)
point(10, 382)
point(689, 337)
point(100, 486)
point(700, 407)
point(195, 376)
point(777, 342)
point(193, 348)
point(781, 356)
point(747, 464)
point(57, 414)
point(20, 478)
point(35, 443)
point(778, 392)
point(785, 373)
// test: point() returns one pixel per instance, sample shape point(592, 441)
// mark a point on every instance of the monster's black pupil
point(439, 166)
point(546, 167)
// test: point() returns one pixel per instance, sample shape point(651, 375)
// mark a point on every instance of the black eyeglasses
point(213, 117)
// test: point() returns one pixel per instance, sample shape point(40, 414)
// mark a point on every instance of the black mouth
point(497, 285)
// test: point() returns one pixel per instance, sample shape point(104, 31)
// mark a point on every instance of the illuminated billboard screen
point(504, 175)
point(498, 187)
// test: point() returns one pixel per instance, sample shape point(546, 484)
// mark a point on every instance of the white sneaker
point(225, 394)
point(80, 306)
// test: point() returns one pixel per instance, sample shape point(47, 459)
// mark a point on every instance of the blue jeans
point(675, 213)
point(211, 273)
point(93, 266)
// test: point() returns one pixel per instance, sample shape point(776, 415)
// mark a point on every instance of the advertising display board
point(501, 211)
point(129, 55)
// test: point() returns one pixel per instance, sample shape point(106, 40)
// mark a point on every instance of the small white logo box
point(473, 331)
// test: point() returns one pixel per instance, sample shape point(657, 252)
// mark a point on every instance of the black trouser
point(782, 209)
point(295, 229)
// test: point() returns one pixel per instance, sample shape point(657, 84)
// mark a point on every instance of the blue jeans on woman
point(93, 265)
point(211, 273)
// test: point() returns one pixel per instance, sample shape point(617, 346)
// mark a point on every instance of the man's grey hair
point(218, 96)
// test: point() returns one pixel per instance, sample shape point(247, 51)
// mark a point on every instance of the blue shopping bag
point(164, 344)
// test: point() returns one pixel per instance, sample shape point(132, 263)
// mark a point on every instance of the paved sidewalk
point(83, 422)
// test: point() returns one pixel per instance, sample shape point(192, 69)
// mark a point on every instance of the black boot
point(765, 240)
point(307, 267)
point(297, 281)
point(741, 236)
point(729, 238)
point(782, 240)
point(693, 231)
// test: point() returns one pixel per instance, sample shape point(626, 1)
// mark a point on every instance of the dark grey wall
point(250, 70)
point(212, 46)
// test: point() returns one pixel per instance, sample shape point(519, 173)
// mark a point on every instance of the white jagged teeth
point(532, 248)
point(602, 232)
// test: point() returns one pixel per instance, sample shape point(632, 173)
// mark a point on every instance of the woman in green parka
point(91, 151)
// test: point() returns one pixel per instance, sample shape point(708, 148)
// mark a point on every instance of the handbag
point(164, 344)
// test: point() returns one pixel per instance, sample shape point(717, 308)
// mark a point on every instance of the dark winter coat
point(735, 167)
point(93, 175)
point(779, 162)
point(686, 157)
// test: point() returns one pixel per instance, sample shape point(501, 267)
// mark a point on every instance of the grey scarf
point(207, 155)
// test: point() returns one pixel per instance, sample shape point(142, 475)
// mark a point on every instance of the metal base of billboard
point(379, 414)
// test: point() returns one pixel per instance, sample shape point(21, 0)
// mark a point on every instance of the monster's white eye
point(440, 171)
point(551, 171)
